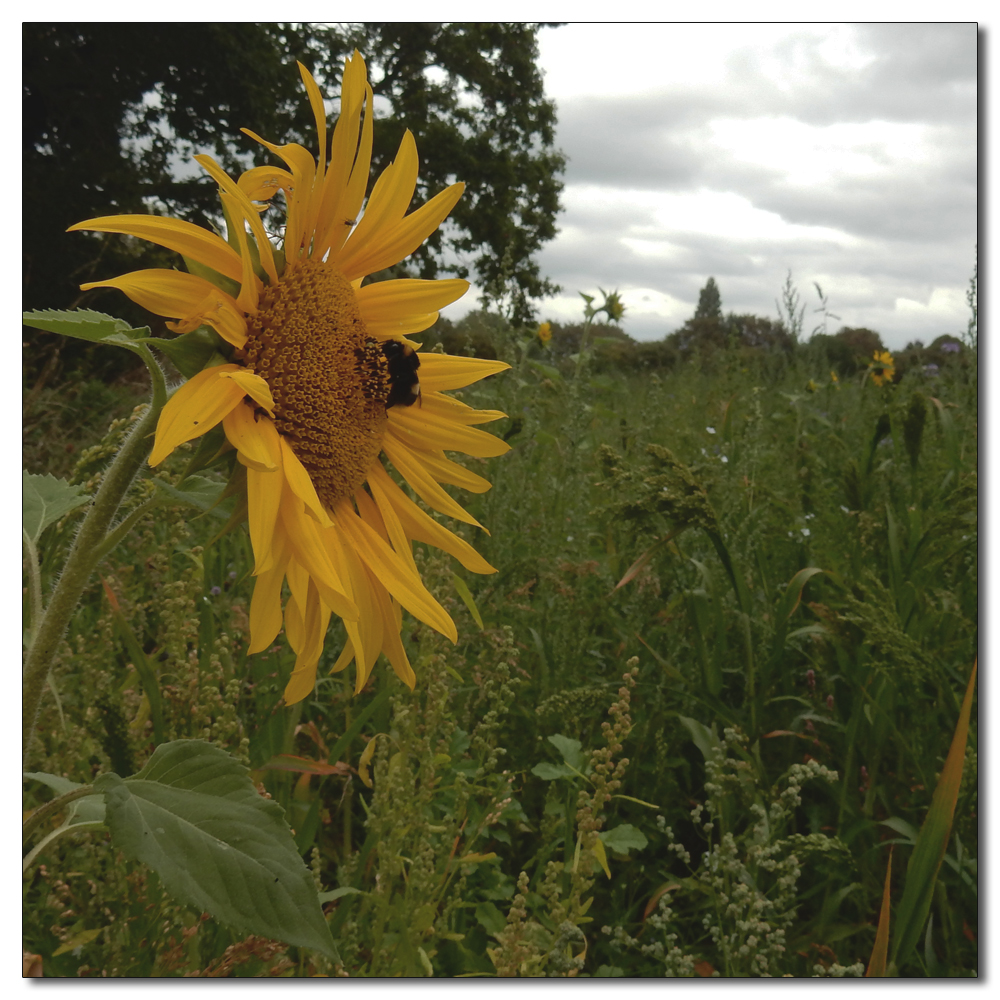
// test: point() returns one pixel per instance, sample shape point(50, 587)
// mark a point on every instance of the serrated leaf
point(193, 815)
point(85, 324)
point(624, 838)
point(549, 772)
point(570, 750)
point(44, 500)
point(198, 491)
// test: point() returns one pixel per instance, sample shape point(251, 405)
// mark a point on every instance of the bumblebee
point(404, 385)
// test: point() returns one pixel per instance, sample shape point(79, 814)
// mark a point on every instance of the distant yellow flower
point(882, 368)
point(319, 383)
point(833, 377)
point(811, 385)
point(544, 332)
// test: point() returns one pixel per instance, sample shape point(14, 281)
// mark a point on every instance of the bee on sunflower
point(317, 385)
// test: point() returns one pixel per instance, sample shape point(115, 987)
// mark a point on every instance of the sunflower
point(319, 385)
point(882, 368)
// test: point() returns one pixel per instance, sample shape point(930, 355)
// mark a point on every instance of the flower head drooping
point(319, 385)
point(883, 368)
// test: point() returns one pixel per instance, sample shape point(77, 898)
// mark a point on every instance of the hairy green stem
point(34, 584)
point(87, 550)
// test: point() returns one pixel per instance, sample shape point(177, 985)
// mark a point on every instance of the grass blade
point(921, 872)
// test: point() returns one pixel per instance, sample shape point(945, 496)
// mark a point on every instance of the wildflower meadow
point(364, 643)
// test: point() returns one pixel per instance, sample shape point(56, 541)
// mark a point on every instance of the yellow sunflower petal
point(303, 534)
point(263, 183)
point(421, 481)
point(434, 431)
point(255, 387)
point(444, 371)
point(242, 432)
point(299, 225)
point(449, 408)
point(265, 609)
point(389, 199)
point(319, 114)
point(346, 178)
point(406, 305)
point(399, 241)
point(170, 293)
point(241, 210)
point(351, 572)
point(392, 645)
point(264, 491)
point(196, 407)
point(344, 660)
point(301, 483)
point(176, 293)
point(389, 569)
point(353, 194)
point(372, 626)
point(419, 525)
point(444, 470)
point(386, 515)
point(183, 237)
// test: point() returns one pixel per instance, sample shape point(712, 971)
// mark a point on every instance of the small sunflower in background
point(883, 368)
point(544, 332)
point(320, 381)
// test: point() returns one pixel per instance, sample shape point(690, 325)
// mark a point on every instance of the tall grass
point(793, 563)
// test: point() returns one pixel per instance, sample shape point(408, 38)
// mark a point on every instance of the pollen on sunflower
point(329, 379)
point(307, 395)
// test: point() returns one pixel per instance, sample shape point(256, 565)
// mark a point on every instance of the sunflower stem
point(34, 585)
point(87, 551)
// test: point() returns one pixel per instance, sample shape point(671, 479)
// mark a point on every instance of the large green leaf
point(571, 751)
point(193, 815)
point(45, 499)
point(624, 838)
point(85, 324)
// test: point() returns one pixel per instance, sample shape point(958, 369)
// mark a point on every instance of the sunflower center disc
point(329, 379)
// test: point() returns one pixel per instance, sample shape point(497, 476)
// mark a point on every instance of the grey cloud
point(914, 229)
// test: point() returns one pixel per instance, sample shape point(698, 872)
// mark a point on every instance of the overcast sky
point(844, 153)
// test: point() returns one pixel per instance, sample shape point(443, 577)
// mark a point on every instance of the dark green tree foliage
point(709, 302)
point(474, 98)
point(113, 113)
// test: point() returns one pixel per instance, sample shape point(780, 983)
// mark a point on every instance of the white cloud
point(844, 152)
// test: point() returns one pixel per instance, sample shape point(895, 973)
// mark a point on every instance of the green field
point(733, 621)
